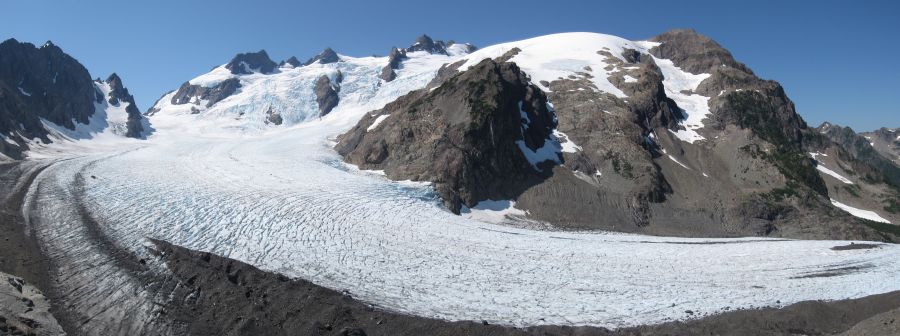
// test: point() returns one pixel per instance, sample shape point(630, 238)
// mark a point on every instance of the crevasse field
point(282, 199)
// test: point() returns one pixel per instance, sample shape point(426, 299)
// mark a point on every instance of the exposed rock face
point(425, 43)
point(293, 61)
point(327, 93)
point(119, 94)
point(327, 56)
point(861, 152)
point(189, 93)
point(273, 117)
point(394, 58)
point(24, 310)
point(248, 63)
point(462, 136)
point(40, 83)
point(886, 141)
point(751, 173)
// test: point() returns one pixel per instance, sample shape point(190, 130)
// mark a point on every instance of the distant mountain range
point(580, 131)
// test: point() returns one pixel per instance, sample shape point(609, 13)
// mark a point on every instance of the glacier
point(281, 198)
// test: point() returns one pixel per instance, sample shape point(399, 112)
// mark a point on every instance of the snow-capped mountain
point(250, 94)
point(668, 136)
point(47, 96)
point(455, 156)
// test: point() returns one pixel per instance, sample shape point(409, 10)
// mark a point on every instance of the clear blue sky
point(838, 60)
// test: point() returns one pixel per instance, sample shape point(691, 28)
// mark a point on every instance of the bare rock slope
point(746, 170)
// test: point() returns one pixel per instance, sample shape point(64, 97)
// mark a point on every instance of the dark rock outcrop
point(886, 141)
point(394, 59)
point(325, 57)
point(119, 94)
point(273, 117)
point(43, 82)
point(293, 61)
point(248, 63)
point(327, 93)
point(861, 153)
point(425, 43)
point(462, 136)
point(188, 92)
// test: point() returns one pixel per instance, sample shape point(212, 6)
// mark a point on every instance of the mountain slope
point(250, 100)
point(670, 136)
point(46, 96)
point(858, 174)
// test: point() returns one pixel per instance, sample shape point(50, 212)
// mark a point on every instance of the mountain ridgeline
point(45, 92)
point(578, 131)
point(747, 171)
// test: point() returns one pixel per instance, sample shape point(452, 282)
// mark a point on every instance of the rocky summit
point(46, 95)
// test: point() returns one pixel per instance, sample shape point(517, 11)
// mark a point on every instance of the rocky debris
point(194, 94)
point(463, 136)
point(24, 310)
point(325, 57)
point(248, 63)
point(394, 59)
point(327, 93)
point(119, 94)
point(40, 82)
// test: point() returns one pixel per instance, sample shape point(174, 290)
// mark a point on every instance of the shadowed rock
point(462, 136)
point(327, 56)
point(248, 63)
point(119, 94)
point(394, 59)
point(327, 93)
point(189, 93)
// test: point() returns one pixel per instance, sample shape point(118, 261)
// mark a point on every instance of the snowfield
point(283, 200)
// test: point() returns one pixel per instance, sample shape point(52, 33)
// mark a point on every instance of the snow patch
point(552, 57)
point(821, 167)
point(568, 146)
point(377, 122)
point(834, 174)
point(864, 214)
point(548, 152)
point(678, 162)
point(694, 106)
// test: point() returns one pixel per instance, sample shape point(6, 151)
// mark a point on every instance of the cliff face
point(44, 84)
point(40, 82)
point(485, 134)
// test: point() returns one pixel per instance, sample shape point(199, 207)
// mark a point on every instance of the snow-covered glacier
point(283, 200)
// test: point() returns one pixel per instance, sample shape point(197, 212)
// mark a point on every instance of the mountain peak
point(293, 61)
point(695, 52)
point(425, 43)
point(326, 56)
point(113, 77)
point(248, 63)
